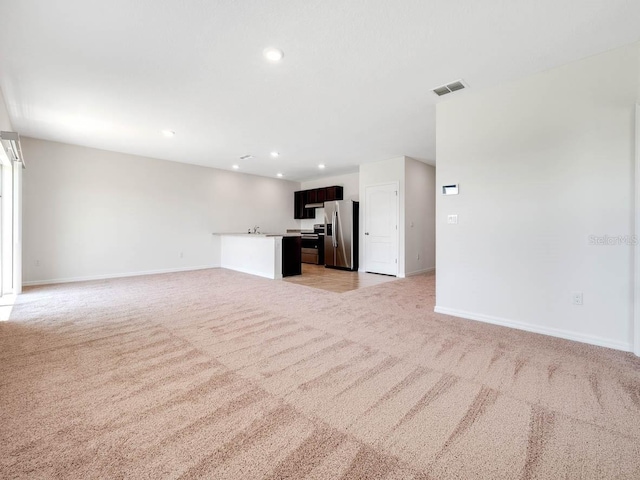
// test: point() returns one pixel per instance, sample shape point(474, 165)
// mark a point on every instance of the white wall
point(92, 213)
point(420, 217)
point(542, 163)
point(376, 173)
point(351, 191)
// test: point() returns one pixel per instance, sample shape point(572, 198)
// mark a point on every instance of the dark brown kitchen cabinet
point(299, 201)
point(334, 193)
point(316, 195)
point(298, 204)
point(312, 196)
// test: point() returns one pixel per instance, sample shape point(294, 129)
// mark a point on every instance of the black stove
point(313, 245)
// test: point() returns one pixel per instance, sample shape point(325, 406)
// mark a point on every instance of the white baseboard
point(410, 274)
point(553, 332)
point(257, 273)
point(32, 283)
point(420, 272)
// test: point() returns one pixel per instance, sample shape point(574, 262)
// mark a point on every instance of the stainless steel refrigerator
point(341, 234)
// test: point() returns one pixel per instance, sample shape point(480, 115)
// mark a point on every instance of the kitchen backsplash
point(307, 224)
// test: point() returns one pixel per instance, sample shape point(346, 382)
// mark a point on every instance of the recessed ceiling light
point(236, 167)
point(275, 154)
point(273, 54)
point(279, 175)
point(168, 133)
point(321, 166)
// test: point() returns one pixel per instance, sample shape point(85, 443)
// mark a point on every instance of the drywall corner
point(420, 216)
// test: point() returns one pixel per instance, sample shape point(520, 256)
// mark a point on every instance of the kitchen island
point(266, 255)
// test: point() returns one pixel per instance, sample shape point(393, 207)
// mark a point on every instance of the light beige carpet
point(217, 374)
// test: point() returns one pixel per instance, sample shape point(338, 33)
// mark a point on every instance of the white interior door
point(381, 229)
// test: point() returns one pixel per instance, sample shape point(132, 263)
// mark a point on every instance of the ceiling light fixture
point(236, 167)
point(168, 133)
point(273, 54)
point(275, 154)
point(321, 166)
point(279, 175)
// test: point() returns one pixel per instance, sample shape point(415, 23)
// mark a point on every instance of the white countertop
point(257, 235)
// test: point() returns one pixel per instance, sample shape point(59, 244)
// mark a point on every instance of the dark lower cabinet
point(321, 250)
point(291, 256)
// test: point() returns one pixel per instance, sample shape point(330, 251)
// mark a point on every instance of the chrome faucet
point(255, 229)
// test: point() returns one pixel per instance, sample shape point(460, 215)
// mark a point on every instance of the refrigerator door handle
point(334, 222)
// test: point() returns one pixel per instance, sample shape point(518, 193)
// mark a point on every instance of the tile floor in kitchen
point(338, 281)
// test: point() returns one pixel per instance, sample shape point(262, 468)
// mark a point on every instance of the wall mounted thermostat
point(450, 189)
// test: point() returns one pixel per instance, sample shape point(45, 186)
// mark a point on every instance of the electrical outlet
point(577, 298)
point(452, 219)
point(181, 254)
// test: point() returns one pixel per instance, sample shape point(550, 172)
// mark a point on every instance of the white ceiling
point(354, 85)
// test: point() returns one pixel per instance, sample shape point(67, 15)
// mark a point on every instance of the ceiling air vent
point(449, 88)
point(246, 157)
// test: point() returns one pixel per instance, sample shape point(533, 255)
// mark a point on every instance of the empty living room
point(319, 240)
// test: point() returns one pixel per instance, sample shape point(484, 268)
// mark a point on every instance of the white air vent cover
point(449, 88)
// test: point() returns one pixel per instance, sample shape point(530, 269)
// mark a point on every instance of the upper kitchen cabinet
point(334, 193)
point(312, 195)
point(299, 201)
point(315, 196)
